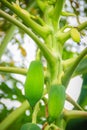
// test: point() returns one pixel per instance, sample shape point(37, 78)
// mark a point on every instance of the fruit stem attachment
point(34, 115)
point(51, 126)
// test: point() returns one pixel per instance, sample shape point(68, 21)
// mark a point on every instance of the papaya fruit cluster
point(34, 86)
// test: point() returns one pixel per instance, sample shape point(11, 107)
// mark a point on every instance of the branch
point(13, 70)
point(64, 36)
point(68, 74)
point(67, 63)
point(41, 4)
point(43, 31)
point(46, 52)
point(73, 114)
point(68, 98)
point(57, 12)
point(82, 26)
point(13, 116)
point(6, 39)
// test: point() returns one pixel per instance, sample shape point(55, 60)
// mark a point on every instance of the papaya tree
point(48, 75)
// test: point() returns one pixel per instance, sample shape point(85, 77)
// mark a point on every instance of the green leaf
point(3, 111)
point(8, 92)
point(20, 121)
point(82, 67)
point(83, 95)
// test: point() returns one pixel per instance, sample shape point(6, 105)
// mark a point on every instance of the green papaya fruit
point(75, 35)
point(34, 83)
point(56, 100)
point(30, 126)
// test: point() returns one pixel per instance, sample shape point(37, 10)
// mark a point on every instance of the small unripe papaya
point(30, 126)
point(34, 82)
point(75, 35)
point(56, 100)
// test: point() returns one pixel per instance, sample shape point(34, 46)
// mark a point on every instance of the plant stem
point(26, 17)
point(54, 127)
point(41, 5)
point(13, 70)
point(6, 39)
point(68, 74)
point(72, 114)
point(57, 12)
point(82, 26)
point(34, 115)
point(63, 13)
point(46, 52)
point(67, 63)
point(68, 98)
point(12, 117)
